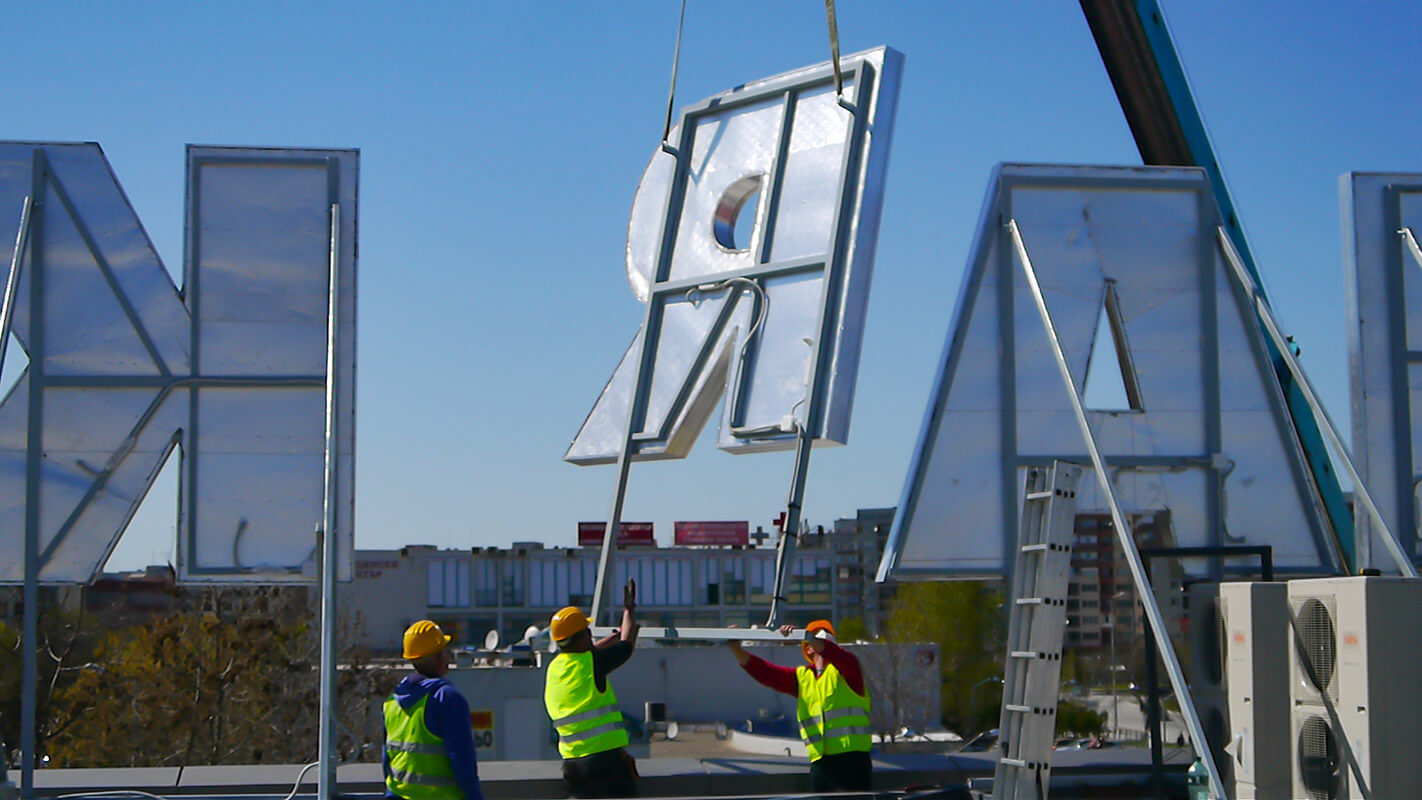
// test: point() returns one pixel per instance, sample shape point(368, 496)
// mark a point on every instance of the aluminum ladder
point(1036, 627)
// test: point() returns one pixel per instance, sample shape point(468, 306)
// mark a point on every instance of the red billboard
point(634, 534)
point(712, 533)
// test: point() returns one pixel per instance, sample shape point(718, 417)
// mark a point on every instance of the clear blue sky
point(501, 145)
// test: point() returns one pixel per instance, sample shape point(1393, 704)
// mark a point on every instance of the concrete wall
point(699, 684)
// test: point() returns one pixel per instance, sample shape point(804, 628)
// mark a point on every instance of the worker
point(429, 743)
point(583, 706)
point(832, 707)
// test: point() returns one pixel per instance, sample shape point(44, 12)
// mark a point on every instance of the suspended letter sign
point(752, 248)
point(123, 369)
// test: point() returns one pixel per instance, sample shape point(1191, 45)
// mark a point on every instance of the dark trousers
point(611, 773)
point(842, 772)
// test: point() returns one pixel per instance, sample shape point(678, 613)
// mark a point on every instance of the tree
point(229, 678)
point(965, 619)
point(65, 646)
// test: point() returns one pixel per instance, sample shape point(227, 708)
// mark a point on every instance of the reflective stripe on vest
point(588, 721)
point(833, 718)
point(419, 764)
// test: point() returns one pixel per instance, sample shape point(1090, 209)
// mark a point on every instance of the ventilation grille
point(1318, 645)
point(1319, 765)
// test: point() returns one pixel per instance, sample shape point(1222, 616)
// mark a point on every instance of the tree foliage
point(66, 645)
point(1075, 719)
point(966, 621)
point(230, 678)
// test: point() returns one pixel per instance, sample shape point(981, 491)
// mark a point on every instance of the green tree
point(1075, 719)
point(230, 678)
point(66, 643)
point(851, 629)
point(965, 619)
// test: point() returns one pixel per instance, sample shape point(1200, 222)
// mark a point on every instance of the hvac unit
point(1206, 664)
point(1254, 621)
point(1353, 658)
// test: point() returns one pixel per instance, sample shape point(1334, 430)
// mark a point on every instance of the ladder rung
point(1017, 708)
point(1036, 548)
point(1043, 495)
point(1026, 654)
point(1013, 762)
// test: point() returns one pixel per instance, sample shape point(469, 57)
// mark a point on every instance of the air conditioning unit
point(1354, 648)
point(1254, 625)
point(1206, 665)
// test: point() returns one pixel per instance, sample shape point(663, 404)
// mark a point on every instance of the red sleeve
point(847, 664)
point(774, 676)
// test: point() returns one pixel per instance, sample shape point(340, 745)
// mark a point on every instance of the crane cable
point(671, 93)
point(834, 48)
point(830, 18)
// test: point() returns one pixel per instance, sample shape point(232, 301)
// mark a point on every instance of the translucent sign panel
point(752, 243)
point(122, 369)
point(1202, 431)
point(1384, 278)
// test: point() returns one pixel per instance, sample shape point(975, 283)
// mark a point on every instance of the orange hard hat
point(567, 622)
point(424, 638)
point(819, 629)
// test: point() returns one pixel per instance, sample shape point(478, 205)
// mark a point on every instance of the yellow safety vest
point(419, 764)
point(833, 718)
point(588, 721)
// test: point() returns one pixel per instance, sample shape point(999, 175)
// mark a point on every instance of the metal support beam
point(1118, 519)
point(1301, 381)
point(327, 788)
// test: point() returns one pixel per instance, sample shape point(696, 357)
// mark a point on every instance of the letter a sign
point(751, 242)
point(123, 368)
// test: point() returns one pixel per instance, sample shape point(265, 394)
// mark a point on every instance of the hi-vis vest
point(587, 720)
point(833, 719)
point(419, 764)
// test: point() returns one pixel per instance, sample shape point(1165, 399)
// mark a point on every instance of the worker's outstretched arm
point(772, 676)
point(630, 627)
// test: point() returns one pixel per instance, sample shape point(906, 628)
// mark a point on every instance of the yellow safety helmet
point(819, 629)
point(567, 622)
point(424, 638)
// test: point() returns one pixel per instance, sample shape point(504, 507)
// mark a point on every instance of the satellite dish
point(673, 729)
point(491, 640)
point(530, 632)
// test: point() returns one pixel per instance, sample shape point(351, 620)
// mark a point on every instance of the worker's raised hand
point(629, 595)
point(786, 630)
point(742, 657)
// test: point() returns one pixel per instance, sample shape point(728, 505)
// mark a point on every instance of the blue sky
point(501, 145)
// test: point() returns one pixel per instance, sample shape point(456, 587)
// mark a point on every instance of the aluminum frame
point(1215, 429)
point(115, 380)
point(693, 284)
point(1383, 283)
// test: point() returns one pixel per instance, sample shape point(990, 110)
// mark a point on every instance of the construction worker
point(429, 743)
point(583, 706)
point(832, 707)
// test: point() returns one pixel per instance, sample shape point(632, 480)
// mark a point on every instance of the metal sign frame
point(842, 271)
point(1383, 277)
point(992, 368)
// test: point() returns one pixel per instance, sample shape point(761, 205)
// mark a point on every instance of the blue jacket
point(447, 716)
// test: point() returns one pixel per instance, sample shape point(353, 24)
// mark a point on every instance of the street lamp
point(1112, 665)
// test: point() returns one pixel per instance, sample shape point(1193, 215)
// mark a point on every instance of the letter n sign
point(124, 368)
point(752, 247)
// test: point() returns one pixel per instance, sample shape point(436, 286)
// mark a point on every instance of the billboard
point(633, 534)
point(713, 533)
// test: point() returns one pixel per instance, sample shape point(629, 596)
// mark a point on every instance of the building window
point(448, 584)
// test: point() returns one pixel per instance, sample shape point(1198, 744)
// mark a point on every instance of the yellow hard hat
point(819, 629)
point(566, 622)
point(424, 638)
